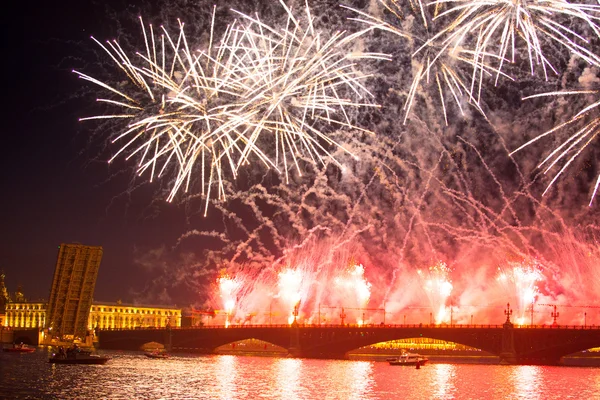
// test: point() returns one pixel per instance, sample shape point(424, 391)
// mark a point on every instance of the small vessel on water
point(408, 359)
point(156, 354)
point(19, 348)
point(75, 355)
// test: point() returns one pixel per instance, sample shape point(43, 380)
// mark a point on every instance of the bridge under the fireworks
point(515, 345)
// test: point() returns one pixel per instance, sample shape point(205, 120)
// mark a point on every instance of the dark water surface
point(130, 375)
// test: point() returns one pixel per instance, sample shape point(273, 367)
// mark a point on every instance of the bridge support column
point(168, 339)
point(294, 349)
point(508, 354)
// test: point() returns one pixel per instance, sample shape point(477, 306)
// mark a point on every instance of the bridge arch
point(322, 343)
point(206, 340)
point(251, 346)
point(419, 343)
point(149, 346)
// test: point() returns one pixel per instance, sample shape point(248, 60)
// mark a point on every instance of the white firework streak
point(299, 77)
point(575, 143)
point(435, 62)
point(176, 121)
point(495, 26)
point(214, 107)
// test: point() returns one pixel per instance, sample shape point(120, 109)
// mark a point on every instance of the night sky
point(53, 189)
point(57, 186)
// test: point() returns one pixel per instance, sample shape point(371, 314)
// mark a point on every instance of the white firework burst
point(492, 28)
point(587, 124)
point(260, 93)
point(437, 66)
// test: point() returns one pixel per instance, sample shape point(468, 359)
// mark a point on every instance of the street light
point(554, 315)
point(270, 313)
point(532, 313)
point(508, 313)
point(319, 319)
point(584, 319)
point(296, 307)
point(342, 316)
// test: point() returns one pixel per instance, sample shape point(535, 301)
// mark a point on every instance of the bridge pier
point(168, 340)
point(508, 355)
point(294, 350)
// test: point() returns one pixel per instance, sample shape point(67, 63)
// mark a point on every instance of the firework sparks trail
point(348, 225)
point(171, 106)
point(260, 93)
point(228, 288)
point(437, 285)
point(495, 26)
point(521, 280)
point(288, 293)
point(353, 285)
point(289, 283)
point(571, 148)
point(437, 65)
point(300, 79)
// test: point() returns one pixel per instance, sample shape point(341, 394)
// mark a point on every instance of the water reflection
point(133, 376)
point(344, 379)
point(362, 380)
point(287, 372)
point(226, 374)
point(443, 380)
point(527, 382)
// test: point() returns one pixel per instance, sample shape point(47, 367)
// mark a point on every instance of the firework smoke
point(259, 94)
point(398, 198)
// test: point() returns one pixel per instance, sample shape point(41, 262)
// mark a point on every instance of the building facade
point(130, 316)
point(72, 290)
point(25, 315)
point(101, 315)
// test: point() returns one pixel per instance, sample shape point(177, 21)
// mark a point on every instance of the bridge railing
point(551, 326)
point(365, 326)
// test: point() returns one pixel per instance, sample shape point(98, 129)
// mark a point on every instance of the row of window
point(20, 322)
point(108, 322)
point(25, 307)
point(42, 307)
point(37, 320)
point(133, 311)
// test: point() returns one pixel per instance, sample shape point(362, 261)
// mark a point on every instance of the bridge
point(513, 344)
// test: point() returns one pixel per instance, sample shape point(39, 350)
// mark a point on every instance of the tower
point(3, 294)
point(72, 290)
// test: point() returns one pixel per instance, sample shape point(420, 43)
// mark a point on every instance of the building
point(25, 315)
point(72, 290)
point(4, 300)
point(71, 313)
point(129, 316)
point(102, 315)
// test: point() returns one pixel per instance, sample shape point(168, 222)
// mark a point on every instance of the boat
point(156, 354)
point(77, 356)
point(19, 348)
point(408, 359)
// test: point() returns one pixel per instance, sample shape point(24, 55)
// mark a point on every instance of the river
point(130, 375)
